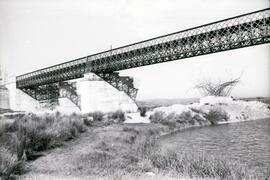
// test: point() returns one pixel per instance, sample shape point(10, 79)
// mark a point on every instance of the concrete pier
point(18, 100)
point(98, 95)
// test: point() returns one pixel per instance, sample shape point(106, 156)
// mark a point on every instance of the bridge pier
point(98, 95)
point(92, 93)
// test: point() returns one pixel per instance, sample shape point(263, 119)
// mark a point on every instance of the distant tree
point(221, 88)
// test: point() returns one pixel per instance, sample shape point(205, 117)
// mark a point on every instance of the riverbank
point(213, 110)
point(125, 151)
point(103, 147)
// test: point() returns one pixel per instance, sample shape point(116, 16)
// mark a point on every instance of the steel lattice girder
point(237, 32)
point(122, 83)
point(69, 90)
point(43, 92)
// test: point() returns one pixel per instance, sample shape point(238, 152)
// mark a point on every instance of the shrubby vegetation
point(216, 115)
point(29, 135)
point(136, 152)
point(143, 111)
point(119, 150)
point(190, 118)
point(117, 116)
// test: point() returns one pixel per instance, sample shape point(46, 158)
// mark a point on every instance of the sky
point(35, 34)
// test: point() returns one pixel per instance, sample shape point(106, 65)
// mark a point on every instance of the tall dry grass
point(193, 165)
point(9, 164)
point(29, 135)
point(137, 152)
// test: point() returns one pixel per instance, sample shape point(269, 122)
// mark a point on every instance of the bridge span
point(51, 83)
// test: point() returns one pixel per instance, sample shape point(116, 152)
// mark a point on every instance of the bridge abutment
point(18, 100)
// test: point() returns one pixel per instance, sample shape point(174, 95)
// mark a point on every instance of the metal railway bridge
point(237, 32)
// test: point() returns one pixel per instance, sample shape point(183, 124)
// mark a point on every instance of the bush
point(172, 120)
point(39, 133)
point(119, 115)
point(157, 117)
point(184, 117)
point(88, 121)
point(216, 114)
point(31, 134)
point(97, 116)
point(79, 125)
point(143, 111)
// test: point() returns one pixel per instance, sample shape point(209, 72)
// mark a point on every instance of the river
point(247, 142)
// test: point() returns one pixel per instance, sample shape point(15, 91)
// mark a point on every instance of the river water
point(247, 142)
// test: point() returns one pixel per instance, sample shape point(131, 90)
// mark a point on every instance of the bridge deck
point(236, 32)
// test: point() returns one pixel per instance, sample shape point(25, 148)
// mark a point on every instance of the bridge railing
point(108, 61)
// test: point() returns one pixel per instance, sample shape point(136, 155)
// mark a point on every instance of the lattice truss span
point(122, 83)
point(236, 32)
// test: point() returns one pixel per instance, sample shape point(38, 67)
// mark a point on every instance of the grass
point(9, 164)
point(203, 166)
point(29, 135)
point(117, 151)
point(115, 156)
point(191, 164)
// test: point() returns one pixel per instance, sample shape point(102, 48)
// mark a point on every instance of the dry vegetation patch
point(110, 149)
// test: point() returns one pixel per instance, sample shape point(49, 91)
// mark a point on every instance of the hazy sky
point(39, 33)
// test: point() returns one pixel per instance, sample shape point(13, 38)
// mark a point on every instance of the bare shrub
point(222, 88)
